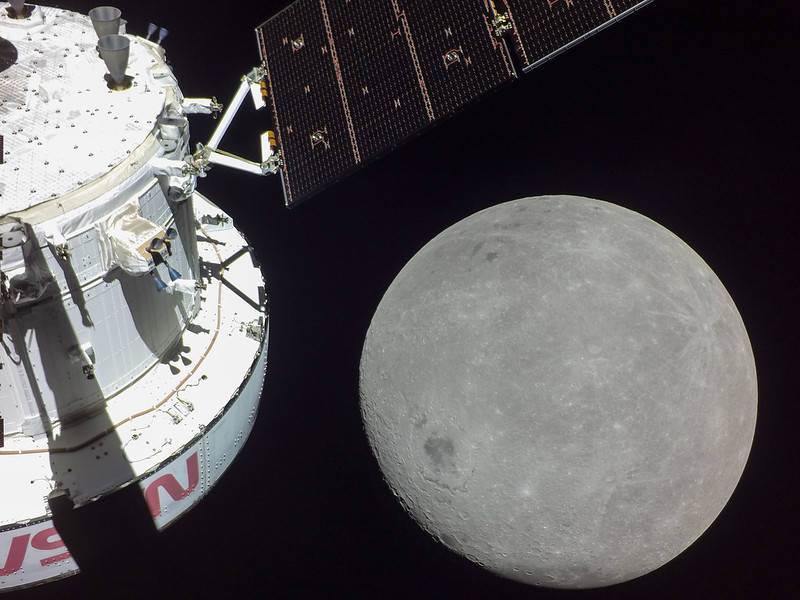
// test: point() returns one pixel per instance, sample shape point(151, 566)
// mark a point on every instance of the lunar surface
point(560, 390)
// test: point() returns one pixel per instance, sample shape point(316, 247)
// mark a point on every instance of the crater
point(442, 452)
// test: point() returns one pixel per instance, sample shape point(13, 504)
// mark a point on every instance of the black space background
point(685, 112)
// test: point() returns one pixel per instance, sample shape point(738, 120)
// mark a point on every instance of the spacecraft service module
point(134, 325)
point(134, 321)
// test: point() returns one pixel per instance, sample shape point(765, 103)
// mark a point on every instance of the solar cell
point(351, 80)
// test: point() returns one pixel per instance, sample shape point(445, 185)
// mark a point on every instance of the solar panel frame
point(524, 12)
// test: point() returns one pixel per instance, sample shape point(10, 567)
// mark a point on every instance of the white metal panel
point(131, 327)
point(60, 384)
point(63, 128)
point(178, 431)
point(11, 396)
point(153, 204)
point(84, 260)
point(175, 488)
point(165, 403)
point(33, 554)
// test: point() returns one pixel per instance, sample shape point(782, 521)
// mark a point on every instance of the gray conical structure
point(18, 6)
point(115, 50)
point(105, 20)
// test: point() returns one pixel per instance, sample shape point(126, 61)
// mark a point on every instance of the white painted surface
point(176, 454)
point(33, 553)
point(62, 126)
point(177, 377)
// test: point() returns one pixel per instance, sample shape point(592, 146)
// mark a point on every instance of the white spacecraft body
point(123, 360)
point(134, 333)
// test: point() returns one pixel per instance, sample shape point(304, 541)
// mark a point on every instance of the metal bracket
point(254, 77)
point(209, 154)
point(202, 106)
point(501, 24)
point(205, 157)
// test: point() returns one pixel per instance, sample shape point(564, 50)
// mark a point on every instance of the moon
point(560, 390)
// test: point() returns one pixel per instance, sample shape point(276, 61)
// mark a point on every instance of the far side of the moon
point(561, 390)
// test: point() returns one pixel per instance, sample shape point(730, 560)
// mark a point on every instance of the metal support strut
point(210, 154)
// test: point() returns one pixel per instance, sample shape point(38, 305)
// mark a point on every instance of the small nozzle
point(151, 29)
point(18, 8)
point(105, 20)
point(115, 50)
point(173, 274)
point(169, 237)
point(160, 285)
point(155, 245)
point(162, 33)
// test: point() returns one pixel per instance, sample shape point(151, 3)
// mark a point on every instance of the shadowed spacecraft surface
point(134, 326)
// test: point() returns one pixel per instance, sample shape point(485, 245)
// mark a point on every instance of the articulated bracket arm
point(210, 154)
point(250, 82)
point(204, 157)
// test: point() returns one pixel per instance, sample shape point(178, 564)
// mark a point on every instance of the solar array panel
point(543, 28)
point(350, 80)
